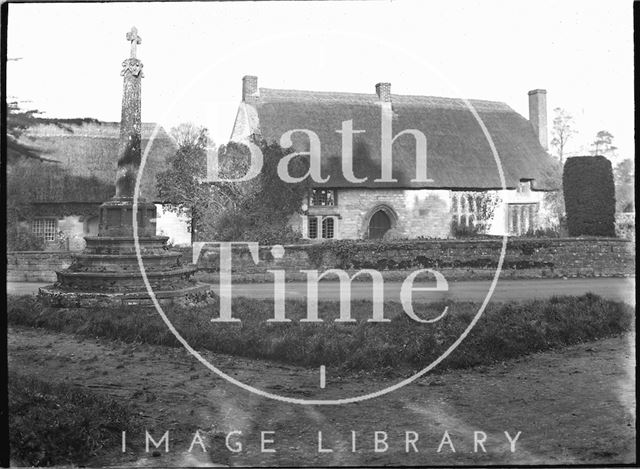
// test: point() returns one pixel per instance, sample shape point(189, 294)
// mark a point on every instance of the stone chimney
point(383, 90)
point(250, 93)
point(538, 115)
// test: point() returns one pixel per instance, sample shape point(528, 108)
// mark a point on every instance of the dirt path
point(572, 406)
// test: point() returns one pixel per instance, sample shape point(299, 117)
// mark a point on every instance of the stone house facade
point(463, 190)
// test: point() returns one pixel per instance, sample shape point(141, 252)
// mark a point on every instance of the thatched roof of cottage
point(87, 157)
point(458, 154)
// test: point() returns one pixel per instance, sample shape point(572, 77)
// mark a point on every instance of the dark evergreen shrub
point(589, 196)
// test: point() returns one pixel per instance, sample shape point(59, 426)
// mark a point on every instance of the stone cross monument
point(107, 272)
point(129, 151)
point(116, 215)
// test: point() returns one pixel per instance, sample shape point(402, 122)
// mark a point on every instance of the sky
point(65, 58)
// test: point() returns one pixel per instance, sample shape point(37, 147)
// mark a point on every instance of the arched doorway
point(379, 224)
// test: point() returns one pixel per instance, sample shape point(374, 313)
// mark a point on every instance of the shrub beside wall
point(589, 196)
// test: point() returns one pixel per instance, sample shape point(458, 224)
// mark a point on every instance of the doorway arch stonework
point(377, 215)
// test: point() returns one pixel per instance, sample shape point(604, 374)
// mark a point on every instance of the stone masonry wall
point(455, 259)
point(419, 213)
point(36, 266)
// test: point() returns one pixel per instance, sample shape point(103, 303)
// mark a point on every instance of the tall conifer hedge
point(589, 196)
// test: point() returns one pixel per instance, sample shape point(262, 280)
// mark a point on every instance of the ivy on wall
point(589, 196)
point(478, 206)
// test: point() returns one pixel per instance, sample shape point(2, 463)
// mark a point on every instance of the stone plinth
point(116, 218)
point(55, 297)
point(108, 273)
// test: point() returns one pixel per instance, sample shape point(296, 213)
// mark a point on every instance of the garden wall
point(36, 266)
point(455, 259)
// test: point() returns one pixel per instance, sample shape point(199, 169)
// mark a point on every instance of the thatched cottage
point(79, 174)
point(465, 192)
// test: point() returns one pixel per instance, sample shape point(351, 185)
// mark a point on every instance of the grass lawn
point(505, 330)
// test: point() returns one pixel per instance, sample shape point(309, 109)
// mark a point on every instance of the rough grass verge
point(505, 331)
point(54, 424)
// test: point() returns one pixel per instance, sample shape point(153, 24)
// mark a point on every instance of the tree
point(184, 189)
point(254, 210)
point(189, 135)
point(603, 144)
point(17, 122)
point(267, 205)
point(562, 131)
point(623, 176)
point(553, 217)
point(180, 185)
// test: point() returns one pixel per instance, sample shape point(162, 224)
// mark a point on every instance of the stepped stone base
point(107, 273)
point(59, 298)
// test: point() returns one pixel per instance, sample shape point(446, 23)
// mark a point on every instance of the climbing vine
point(472, 211)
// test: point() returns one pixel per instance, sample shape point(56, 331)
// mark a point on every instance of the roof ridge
point(372, 97)
point(96, 122)
point(100, 129)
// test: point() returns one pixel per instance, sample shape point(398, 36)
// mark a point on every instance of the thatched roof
point(17, 150)
point(458, 154)
point(87, 156)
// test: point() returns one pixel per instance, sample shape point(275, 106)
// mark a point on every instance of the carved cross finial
point(134, 39)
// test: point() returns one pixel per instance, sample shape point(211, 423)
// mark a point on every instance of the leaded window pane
point(45, 228)
point(327, 228)
point(323, 197)
point(313, 227)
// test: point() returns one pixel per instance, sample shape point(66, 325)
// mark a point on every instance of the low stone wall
point(455, 259)
point(36, 266)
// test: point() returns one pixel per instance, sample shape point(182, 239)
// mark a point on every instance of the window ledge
point(330, 210)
